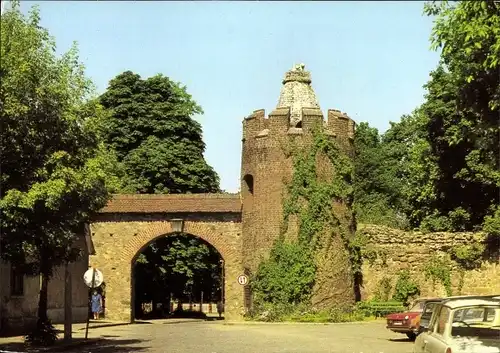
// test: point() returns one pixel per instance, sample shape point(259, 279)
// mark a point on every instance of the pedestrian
point(96, 303)
point(220, 308)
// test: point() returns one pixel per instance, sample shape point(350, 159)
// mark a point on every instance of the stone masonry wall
point(411, 250)
point(118, 239)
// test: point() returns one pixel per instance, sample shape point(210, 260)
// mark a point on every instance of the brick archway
point(116, 258)
point(207, 232)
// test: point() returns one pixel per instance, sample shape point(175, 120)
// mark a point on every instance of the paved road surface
point(217, 337)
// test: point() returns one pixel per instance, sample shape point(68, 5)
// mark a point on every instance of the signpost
point(93, 278)
point(243, 280)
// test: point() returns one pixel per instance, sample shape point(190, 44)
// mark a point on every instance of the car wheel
point(411, 336)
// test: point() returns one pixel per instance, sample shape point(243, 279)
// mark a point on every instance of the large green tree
point(150, 126)
point(55, 172)
point(461, 119)
point(152, 131)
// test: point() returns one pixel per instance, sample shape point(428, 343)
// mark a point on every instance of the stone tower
point(265, 167)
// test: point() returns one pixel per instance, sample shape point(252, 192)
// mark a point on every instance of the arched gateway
point(130, 222)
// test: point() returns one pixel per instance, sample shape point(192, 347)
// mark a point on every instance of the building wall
point(412, 250)
point(119, 238)
point(20, 312)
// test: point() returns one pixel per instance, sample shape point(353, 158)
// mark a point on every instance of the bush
point(304, 313)
point(380, 308)
point(405, 288)
point(286, 277)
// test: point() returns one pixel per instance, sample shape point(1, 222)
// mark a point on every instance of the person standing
point(96, 304)
point(220, 308)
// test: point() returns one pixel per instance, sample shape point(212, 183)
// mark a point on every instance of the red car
point(408, 322)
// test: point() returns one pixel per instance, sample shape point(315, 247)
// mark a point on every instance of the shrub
point(405, 288)
point(287, 276)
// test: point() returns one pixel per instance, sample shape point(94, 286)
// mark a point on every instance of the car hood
point(476, 345)
point(401, 316)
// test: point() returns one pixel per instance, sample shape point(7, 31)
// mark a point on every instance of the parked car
point(426, 315)
point(466, 325)
point(408, 322)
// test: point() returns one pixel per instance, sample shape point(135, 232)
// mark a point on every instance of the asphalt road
point(220, 337)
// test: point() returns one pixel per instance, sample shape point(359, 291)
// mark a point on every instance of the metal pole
point(90, 305)
point(68, 305)
point(223, 283)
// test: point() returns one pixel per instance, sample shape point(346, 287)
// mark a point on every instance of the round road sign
point(98, 279)
point(243, 280)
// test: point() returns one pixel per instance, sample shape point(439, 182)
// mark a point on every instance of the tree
point(151, 129)
point(149, 125)
point(460, 115)
point(55, 172)
point(182, 265)
point(381, 173)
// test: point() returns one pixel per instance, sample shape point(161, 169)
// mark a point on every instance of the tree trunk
point(42, 301)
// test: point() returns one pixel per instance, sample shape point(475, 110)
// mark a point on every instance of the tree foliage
point(55, 171)
point(151, 129)
point(181, 265)
point(444, 169)
point(149, 125)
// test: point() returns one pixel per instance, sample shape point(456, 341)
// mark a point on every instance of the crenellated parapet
point(278, 123)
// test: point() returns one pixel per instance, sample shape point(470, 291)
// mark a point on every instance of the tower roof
point(297, 93)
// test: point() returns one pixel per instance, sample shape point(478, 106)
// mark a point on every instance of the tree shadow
point(103, 345)
point(404, 340)
point(114, 346)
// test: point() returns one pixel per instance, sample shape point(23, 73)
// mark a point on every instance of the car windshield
point(417, 307)
point(429, 308)
point(477, 321)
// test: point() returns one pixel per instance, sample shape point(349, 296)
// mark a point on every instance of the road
point(220, 337)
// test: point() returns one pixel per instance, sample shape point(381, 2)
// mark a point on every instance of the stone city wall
point(413, 250)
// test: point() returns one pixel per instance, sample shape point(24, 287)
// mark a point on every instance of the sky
point(368, 59)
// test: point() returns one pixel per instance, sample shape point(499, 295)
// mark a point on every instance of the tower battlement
point(279, 122)
point(297, 112)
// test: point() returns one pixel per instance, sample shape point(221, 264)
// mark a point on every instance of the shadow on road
point(114, 346)
point(404, 340)
point(81, 345)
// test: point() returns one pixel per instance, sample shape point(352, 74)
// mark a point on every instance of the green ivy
point(438, 269)
point(289, 274)
point(405, 288)
point(467, 257)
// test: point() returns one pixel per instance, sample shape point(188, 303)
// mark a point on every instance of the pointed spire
point(297, 93)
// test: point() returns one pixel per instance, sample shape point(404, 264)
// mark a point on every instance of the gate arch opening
point(177, 275)
point(130, 238)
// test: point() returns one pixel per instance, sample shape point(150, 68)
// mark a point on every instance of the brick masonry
point(267, 168)
point(411, 250)
point(118, 238)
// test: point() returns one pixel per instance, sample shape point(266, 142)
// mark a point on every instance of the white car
point(462, 326)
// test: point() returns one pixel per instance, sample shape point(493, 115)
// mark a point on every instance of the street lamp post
point(223, 280)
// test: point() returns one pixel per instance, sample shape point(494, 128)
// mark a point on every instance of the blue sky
point(369, 59)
